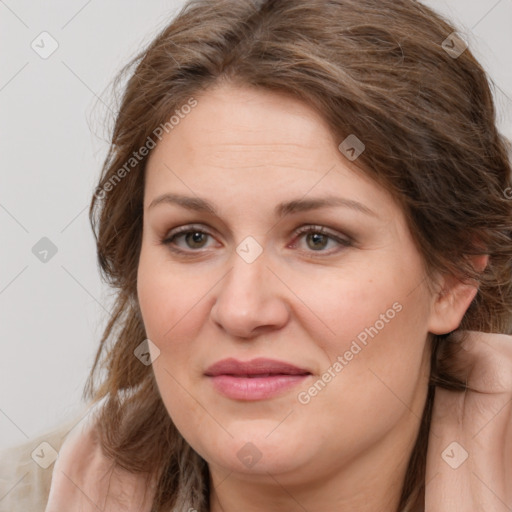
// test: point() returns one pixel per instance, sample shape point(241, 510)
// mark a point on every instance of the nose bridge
point(248, 296)
point(246, 282)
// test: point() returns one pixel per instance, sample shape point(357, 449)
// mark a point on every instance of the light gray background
point(54, 128)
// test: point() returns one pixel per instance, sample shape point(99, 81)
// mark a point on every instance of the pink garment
point(469, 463)
point(84, 479)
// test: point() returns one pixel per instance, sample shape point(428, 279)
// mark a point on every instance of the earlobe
point(453, 300)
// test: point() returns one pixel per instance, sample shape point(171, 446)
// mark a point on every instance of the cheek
point(374, 370)
point(166, 294)
point(172, 307)
point(374, 304)
point(375, 329)
point(377, 355)
point(187, 412)
point(170, 319)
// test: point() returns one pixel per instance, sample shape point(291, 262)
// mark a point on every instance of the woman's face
point(343, 315)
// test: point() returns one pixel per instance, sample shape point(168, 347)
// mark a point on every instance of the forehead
point(258, 144)
point(249, 124)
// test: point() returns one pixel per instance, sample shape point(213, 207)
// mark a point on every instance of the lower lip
point(254, 388)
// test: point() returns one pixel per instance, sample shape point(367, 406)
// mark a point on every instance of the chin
point(255, 452)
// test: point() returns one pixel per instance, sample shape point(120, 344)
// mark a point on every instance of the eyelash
point(183, 230)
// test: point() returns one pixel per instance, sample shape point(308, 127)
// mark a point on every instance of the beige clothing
point(65, 469)
point(24, 480)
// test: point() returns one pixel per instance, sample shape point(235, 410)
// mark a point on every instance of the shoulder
point(26, 468)
point(85, 479)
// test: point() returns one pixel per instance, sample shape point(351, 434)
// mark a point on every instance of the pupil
point(196, 237)
point(318, 237)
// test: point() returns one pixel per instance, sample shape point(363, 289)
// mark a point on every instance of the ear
point(453, 299)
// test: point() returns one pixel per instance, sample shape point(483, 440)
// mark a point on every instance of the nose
point(251, 300)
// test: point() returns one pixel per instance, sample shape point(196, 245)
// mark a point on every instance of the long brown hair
point(376, 69)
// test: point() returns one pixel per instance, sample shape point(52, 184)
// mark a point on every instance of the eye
point(317, 239)
point(194, 238)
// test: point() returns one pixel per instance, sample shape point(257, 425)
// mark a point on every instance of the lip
point(258, 379)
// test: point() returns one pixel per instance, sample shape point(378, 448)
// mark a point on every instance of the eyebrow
point(294, 206)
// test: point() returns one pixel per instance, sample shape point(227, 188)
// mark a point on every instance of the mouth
point(258, 379)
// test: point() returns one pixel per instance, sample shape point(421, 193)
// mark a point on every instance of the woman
point(304, 213)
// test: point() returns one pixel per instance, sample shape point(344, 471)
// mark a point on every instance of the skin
point(303, 301)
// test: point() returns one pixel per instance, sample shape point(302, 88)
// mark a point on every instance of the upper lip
point(259, 366)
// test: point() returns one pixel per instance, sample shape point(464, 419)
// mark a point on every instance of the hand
point(469, 459)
